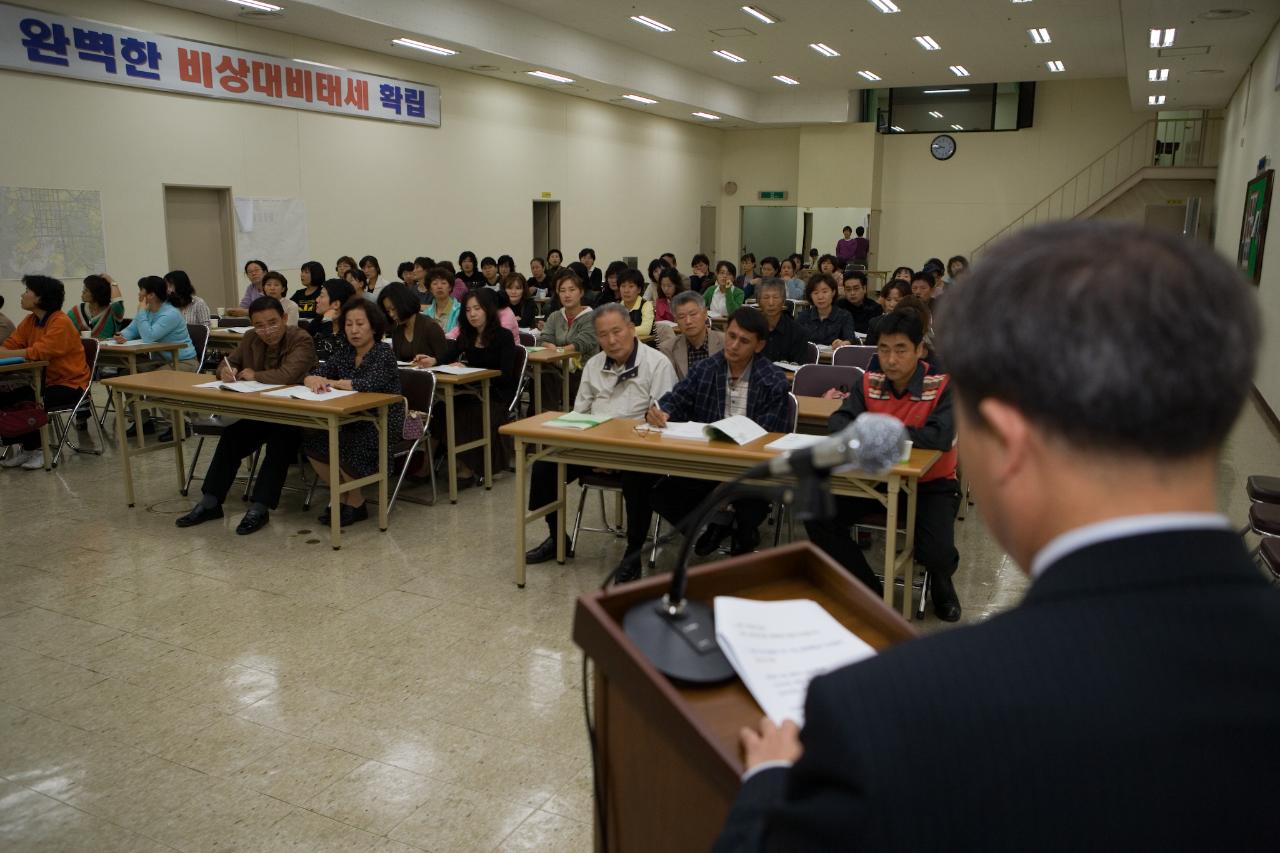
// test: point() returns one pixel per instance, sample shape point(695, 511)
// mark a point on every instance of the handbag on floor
point(22, 418)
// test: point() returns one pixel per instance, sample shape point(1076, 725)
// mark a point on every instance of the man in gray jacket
point(696, 339)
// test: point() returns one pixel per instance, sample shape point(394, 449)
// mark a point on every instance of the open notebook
point(244, 386)
point(739, 429)
point(302, 392)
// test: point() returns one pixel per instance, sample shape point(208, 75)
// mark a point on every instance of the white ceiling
point(608, 55)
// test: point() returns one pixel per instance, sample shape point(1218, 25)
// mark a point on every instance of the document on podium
point(778, 647)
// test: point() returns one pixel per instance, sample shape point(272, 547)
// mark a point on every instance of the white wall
point(629, 183)
point(828, 223)
point(1253, 132)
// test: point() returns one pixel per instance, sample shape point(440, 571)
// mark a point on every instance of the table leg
point(520, 531)
point(909, 544)
point(537, 388)
point(561, 507)
point(564, 386)
point(124, 447)
point(891, 541)
point(450, 442)
point(179, 430)
point(382, 468)
point(335, 483)
point(488, 438)
point(37, 387)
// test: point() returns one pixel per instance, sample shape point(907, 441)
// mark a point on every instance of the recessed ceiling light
point(1055, 65)
point(1157, 75)
point(1155, 100)
point(782, 78)
point(422, 45)
point(944, 91)
point(935, 113)
point(547, 75)
point(956, 127)
point(255, 4)
point(732, 57)
point(1163, 38)
point(896, 129)
point(869, 75)
point(823, 49)
point(1225, 14)
point(760, 14)
point(1040, 35)
point(886, 6)
point(652, 24)
point(959, 71)
point(708, 116)
point(927, 42)
point(640, 99)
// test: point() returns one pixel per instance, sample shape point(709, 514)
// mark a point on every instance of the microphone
point(873, 443)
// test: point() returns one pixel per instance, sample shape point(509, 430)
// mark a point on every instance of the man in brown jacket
point(274, 353)
point(697, 339)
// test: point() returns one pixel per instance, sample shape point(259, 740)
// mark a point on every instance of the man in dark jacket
point(1131, 701)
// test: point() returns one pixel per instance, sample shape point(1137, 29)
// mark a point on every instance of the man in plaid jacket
point(737, 381)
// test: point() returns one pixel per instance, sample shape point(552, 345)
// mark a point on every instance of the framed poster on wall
point(1253, 225)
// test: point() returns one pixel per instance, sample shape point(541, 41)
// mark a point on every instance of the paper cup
point(906, 453)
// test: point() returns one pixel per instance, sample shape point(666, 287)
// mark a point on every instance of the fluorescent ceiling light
point(1157, 75)
point(782, 78)
point(1040, 35)
point(760, 14)
point(652, 24)
point(956, 127)
point(1163, 38)
point(640, 99)
point(944, 91)
point(927, 42)
point(935, 113)
point(317, 64)
point(254, 4)
point(1155, 100)
point(823, 49)
point(886, 6)
point(708, 116)
point(959, 71)
point(869, 75)
point(547, 75)
point(896, 129)
point(422, 45)
point(1021, 1)
point(1055, 65)
point(732, 57)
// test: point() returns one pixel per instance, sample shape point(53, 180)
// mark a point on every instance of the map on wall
point(271, 230)
point(51, 232)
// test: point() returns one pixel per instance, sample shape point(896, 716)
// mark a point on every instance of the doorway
point(546, 227)
point(1171, 218)
point(707, 231)
point(769, 230)
point(199, 237)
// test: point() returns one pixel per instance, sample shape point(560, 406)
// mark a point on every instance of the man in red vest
point(904, 387)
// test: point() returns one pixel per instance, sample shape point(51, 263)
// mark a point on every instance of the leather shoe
point(199, 515)
point(744, 541)
point(946, 604)
point(148, 428)
point(349, 515)
point(628, 570)
point(546, 551)
point(711, 539)
point(252, 522)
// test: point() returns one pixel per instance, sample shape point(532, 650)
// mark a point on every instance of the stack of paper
point(302, 392)
point(455, 369)
point(244, 386)
point(778, 647)
point(789, 366)
point(794, 441)
point(111, 342)
point(577, 420)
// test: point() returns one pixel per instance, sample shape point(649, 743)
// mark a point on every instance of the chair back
point(793, 411)
point(811, 353)
point(419, 389)
point(814, 380)
point(527, 339)
point(522, 368)
point(91, 350)
point(199, 334)
point(853, 356)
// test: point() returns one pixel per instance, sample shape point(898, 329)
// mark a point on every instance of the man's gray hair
point(772, 281)
point(610, 308)
point(687, 297)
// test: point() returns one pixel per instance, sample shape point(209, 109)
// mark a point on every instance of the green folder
point(578, 420)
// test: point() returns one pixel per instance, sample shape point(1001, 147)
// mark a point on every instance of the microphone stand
point(678, 635)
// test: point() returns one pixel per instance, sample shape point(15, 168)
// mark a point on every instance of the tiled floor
point(195, 690)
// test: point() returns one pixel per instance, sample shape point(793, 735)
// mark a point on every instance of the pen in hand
point(230, 370)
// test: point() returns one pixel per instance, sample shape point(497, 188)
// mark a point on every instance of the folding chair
point(600, 483)
point(812, 353)
point(63, 419)
point(522, 364)
point(419, 389)
point(853, 355)
point(814, 380)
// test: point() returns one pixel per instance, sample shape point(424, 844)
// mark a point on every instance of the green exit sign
point(767, 195)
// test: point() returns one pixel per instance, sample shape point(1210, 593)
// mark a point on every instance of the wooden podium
point(668, 753)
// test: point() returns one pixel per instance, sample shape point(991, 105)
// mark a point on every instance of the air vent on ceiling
point(733, 33)
point(1207, 71)
point(1196, 50)
point(1225, 14)
point(260, 13)
point(485, 68)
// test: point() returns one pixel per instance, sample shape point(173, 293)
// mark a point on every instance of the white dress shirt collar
point(1120, 528)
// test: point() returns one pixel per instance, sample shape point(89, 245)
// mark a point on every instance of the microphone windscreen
point(880, 441)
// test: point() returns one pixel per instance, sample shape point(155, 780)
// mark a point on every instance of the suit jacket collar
point(1151, 560)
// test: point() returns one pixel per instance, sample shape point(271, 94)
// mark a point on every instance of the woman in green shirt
point(102, 309)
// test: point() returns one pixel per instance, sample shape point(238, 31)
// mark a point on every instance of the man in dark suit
point(1132, 701)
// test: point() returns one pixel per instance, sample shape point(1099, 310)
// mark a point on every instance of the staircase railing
point(1167, 142)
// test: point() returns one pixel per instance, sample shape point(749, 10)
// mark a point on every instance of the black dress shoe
point(546, 551)
point(711, 539)
point(744, 542)
point(946, 604)
point(252, 522)
point(628, 570)
point(167, 435)
point(148, 428)
point(349, 515)
point(199, 515)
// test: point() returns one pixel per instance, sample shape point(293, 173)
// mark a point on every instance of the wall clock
point(942, 147)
